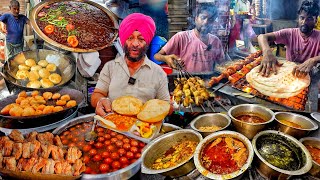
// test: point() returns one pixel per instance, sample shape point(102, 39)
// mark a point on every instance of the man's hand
point(303, 69)
point(3, 27)
point(103, 107)
point(170, 60)
point(269, 64)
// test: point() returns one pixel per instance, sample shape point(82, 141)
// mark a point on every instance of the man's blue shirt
point(14, 27)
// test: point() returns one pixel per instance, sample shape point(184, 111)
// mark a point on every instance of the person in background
point(302, 43)
point(132, 74)
point(12, 24)
point(197, 49)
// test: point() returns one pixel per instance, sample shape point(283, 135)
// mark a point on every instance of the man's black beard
point(305, 29)
point(132, 59)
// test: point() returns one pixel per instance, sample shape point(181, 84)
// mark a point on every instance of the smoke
point(283, 9)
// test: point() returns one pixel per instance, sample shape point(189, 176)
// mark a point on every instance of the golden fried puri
point(71, 103)
point(55, 78)
point(36, 68)
point(30, 62)
point(23, 67)
point(22, 74)
point(33, 76)
point(43, 63)
point(65, 97)
point(51, 67)
point(46, 83)
point(43, 73)
point(34, 84)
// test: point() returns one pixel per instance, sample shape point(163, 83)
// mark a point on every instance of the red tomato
point(73, 128)
point(134, 143)
point(86, 159)
point(134, 149)
point(124, 160)
point(76, 133)
point(120, 136)
point(116, 165)
point(91, 142)
point(114, 156)
point(72, 145)
point(80, 144)
point(108, 160)
point(98, 145)
point(100, 134)
point(100, 139)
point(138, 155)
point(121, 151)
point(75, 139)
point(62, 137)
point(83, 131)
point(97, 157)
point(126, 140)
point(92, 152)
point(105, 154)
point(104, 168)
point(70, 136)
point(129, 155)
point(86, 148)
point(113, 133)
point(65, 133)
point(126, 146)
point(107, 143)
point(141, 144)
point(107, 136)
point(100, 129)
point(88, 170)
point(111, 148)
point(65, 141)
point(133, 160)
point(113, 140)
point(124, 165)
point(78, 126)
point(119, 144)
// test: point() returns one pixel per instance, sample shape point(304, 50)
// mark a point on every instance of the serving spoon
point(91, 135)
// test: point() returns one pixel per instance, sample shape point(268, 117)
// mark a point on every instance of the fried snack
point(28, 111)
point(34, 93)
point(6, 109)
point(46, 83)
point(36, 68)
point(56, 96)
point(61, 102)
point(33, 76)
point(47, 95)
point(30, 62)
point(71, 103)
point(38, 112)
point(127, 105)
point(154, 110)
point(48, 109)
point(23, 67)
point(34, 84)
point(43, 63)
point(22, 94)
point(55, 78)
point(16, 111)
point(65, 97)
point(43, 73)
point(22, 74)
point(41, 107)
point(57, 108)
point(19, 99)
point(51, 67)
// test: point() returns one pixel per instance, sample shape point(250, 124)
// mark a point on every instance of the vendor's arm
point(269, 62)
point(100, 102)
point(303, 69)
point(3, 27)
point(169, 59)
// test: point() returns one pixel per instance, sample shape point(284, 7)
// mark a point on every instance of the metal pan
point(65, 67)
point(38, 8)
point(74, 94)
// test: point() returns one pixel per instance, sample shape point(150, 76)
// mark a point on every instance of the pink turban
point(137, 22)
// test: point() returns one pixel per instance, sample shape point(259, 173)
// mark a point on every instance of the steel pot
point(160, 145)
point(315, 142)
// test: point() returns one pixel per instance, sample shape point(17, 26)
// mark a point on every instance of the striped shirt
point(14, 27)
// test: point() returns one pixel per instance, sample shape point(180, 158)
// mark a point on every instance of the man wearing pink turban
point(133, 73)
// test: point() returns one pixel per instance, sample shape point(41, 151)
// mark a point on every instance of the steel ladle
point(91, 135)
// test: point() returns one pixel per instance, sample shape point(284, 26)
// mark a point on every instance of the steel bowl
point(235, 175)
point(167, 127)
point(307, 124)
point(246, 128)
point(210, 119)
point(315, 142)
point(160, 145)
point(273, 142)
point(124, 173)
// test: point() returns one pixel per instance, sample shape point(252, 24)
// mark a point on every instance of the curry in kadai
point(224, 155)
point(76, 24)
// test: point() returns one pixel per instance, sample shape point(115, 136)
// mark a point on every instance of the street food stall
point(231, 123)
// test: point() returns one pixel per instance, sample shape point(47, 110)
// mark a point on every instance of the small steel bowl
point(274, 142)
point(235, 175)
point(307, 124)
point(246, 128)
point(167, 127)
point(210, 119)
point(315, 142)
point(160, 145)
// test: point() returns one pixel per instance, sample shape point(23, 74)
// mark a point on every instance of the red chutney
point(218, 159)
point(315, 153)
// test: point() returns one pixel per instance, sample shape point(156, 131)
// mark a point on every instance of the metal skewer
point(223, 85)
point(204, 110)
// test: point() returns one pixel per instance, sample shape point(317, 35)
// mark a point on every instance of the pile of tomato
point(110, 152)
